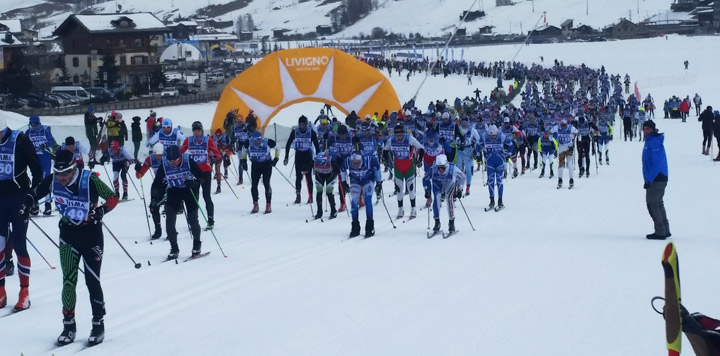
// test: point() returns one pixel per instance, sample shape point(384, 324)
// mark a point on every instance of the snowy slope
point(427, 17)
point(557, 272)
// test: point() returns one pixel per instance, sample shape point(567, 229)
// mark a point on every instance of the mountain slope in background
point(427, 17)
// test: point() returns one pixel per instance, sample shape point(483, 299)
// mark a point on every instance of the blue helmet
point(167, 123)
point(34, 120)
point(430, 134)
point(255, 135)
point(91, 108)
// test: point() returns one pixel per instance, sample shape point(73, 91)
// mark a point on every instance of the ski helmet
point(445, 115)
point(399, 128)
point(302, 120)
point(69, 141)
point(64, 161)
point(115, 146)
point(492, 130)
point(441, 161)
point(34, 120)
point(172, 153)
point(356, 159)
point(255, 136)
point(157, 149)
point(342, 130)
point(197, 125)
point(167, 123)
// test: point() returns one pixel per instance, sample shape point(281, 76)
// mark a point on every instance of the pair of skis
point(444, 235)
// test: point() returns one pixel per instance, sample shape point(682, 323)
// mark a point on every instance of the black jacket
point(137, 135)
point(25, 157)
point(706, 117)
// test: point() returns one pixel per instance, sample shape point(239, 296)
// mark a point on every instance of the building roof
point(13, 41)
point(567, 23)
point(102, 23)
point(186, 23)
point(12, 25)
point(214, 37)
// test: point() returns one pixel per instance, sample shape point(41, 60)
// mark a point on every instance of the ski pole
point(230, 186)
point(147, 219)
point(307, 183)
point(466, 214)
point(137, 265)
point(38, 251)
point(382, 197)
point(206, 221)
point(282, 175)
point(110, 178)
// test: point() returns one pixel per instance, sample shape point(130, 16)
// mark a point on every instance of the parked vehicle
point(185, 88)
point(216, 77)
point(101, 95)
point(78, 92)
point(50, 102)
point(69, 98)
point(62, 100)
point(169, 92)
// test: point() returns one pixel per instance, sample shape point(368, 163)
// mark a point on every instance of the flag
point(637, 92)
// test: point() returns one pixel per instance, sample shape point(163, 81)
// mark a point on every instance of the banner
point(637, 92)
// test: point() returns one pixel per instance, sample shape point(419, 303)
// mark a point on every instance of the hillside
point(427, 17)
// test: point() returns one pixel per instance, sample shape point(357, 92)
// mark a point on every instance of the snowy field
point(557, 272)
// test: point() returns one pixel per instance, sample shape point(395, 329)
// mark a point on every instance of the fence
point(143, 103)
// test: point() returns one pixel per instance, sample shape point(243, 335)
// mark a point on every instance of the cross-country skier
point(364, 174)
point(121, 161)
point(584, 128)
point(403, 146)
point(262, 164)
point(447, 182)
point(431, 149)
point(225, 147)
point(168, 135)
point(344, 147)
point(241, 136)
point(17, 154)
point(565, 135)
point(495, 158)
point(157, 192)
point(604, 135)
point(532, 132)
point(78, 149)
point(326, 172)
point(547, 146)
point(44, 142)
point(303, 139)
point(203, 151)
point(465, 141)
point(77, 192)
point(182, 175)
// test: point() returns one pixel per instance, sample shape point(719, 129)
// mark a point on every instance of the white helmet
point(157, 149)
point(446, 115)
point(441, 161)
point(492, 130)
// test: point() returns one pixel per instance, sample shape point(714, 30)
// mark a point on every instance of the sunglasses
point(441, 168)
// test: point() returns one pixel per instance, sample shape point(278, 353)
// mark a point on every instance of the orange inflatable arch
point(288, 77)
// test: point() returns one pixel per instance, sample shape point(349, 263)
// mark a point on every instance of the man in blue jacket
point(655, 174)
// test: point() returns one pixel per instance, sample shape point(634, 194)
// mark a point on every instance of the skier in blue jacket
point(655, 174)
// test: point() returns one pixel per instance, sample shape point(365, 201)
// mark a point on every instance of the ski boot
point(467, 189)
point(218, 190)
point(342, 207)
point(492, 203)
point(515, 173)
point(333, 213)
point(210, 224)
point(68, 334)
point(413, 213)
point(240, 179)
point(552, 174)
point(500, 204)
point(542, 173)
point(158, 232)
point(35, 210)
point(255, 208)
point(436, 228)
point(587, 174)
point(268, 208)
point(319, 214)
point(97, 334)
point(572, 184)
point(9, 268)
point(451, 225)
point(600, 158)
point(297, 197)
point(23, 300)
point(355, 229)
point(582, 172)
point(559, 185)
point(174, 253)
point(125, 196)
point(48, 209)
point(400, 213)
point(369, 228)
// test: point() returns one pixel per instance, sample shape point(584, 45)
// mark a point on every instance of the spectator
point(137, 134)
point(655, 174)
point(716, 129)
point(706, 118)
point(150, 122)
point(91, 129)
point(685, 108)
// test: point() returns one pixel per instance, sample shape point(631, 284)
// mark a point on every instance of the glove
point(346, 187)
point(427, 194)
point(91, 165)
point(28, 202)
point(275, 161)
point(97, 214)
point(138, 167)
point(44, 147)
point(212, 160)
point(127, 164)
point(458, 193)
point(285, 161)
point(646, 185)
point(556, 154)
point(104, 159)
point(378, 188)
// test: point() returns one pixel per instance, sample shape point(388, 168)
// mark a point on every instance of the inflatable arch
point(288, 77)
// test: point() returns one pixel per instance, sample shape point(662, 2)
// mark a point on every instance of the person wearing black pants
point(303, 139)
point(182, 175)
point(262, 165)
point(205, 154)
point(77, 192)
point(584, 141)
point(17, 154)
point(706, 118)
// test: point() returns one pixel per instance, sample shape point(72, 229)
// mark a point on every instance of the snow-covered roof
point(15, 41)
point(187, 23)
point(143, 21)
point(12, 25)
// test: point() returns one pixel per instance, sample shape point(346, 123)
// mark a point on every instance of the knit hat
point(650, 124)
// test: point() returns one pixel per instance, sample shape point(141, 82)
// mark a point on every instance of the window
point(138, 42)
point(76, 62)
point(123, 60)
point(89, 62)
point(137, 60)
